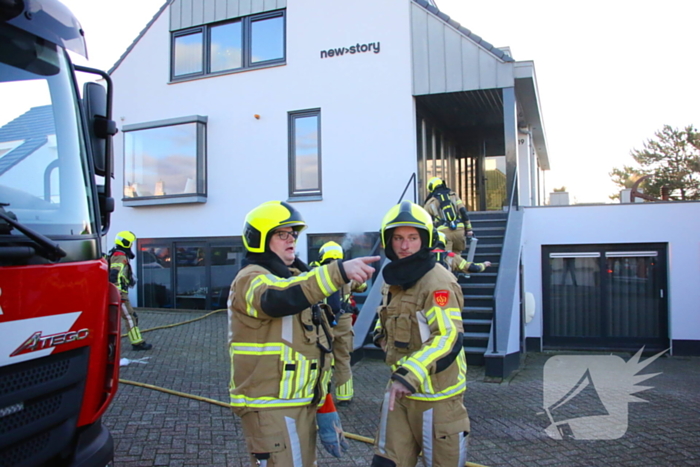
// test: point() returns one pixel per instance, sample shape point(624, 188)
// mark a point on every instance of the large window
point(165, 162)
point(305, 154)
point(248, 42)
point(187, 274)
point(605, 296)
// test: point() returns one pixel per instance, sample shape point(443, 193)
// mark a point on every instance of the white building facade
point(342, 109)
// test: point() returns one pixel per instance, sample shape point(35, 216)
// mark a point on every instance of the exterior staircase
point(479, 303)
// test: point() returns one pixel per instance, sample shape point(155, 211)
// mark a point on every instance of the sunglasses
point(284, 234)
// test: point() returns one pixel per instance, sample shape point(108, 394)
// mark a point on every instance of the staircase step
point(476, 335)
point(471, 285)
point(477, 309)
point(480, 230)
point(477, 350)
point(476, 322)
point(489, 247)
point(478, 297)
point(481, 256)
point(479, 277)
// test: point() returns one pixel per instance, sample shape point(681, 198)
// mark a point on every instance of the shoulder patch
point(441, 297)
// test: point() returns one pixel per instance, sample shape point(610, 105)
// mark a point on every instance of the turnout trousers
point(455, 239)
point(284, 437)
point(342, 348)
point(439, 429)
point(131, 320)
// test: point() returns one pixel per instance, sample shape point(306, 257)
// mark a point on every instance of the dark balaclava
point(405, 272)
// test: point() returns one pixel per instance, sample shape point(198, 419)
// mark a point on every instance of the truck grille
point(17, 454)
point(35, 410)
point(40, 402)
point(29, 377)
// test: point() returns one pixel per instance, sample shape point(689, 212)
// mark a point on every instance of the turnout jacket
point(280, 351)
point(120, 273)
point(423, 331)
point(432, 205)
point(456, 263)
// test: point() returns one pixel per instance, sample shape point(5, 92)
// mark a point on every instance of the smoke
point(359, 240)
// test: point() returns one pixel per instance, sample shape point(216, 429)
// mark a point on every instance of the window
point(165, 162)
point(187, 273)
point(605, 296)
point(248, 42)
point(305, 154)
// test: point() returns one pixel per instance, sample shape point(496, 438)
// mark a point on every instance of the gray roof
point(464, 31)
point(34, 127)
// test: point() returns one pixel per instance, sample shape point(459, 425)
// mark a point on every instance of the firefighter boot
point(141, 346)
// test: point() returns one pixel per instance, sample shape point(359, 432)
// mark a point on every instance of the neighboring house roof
point(428, 5)
point(138, 38)
point(33, 127)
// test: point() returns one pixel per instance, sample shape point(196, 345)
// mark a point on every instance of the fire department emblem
point(441, 297)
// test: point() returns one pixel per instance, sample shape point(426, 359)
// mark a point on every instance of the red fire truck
point(59, 318)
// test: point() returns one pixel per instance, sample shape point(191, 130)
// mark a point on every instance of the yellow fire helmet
point(264, 219)
point(329, 251)
point(407, 214)
point(125, 239)
point(434, 183)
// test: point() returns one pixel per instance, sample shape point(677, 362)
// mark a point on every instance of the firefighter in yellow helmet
point(451, 261)
point(280, 341)
point(420, 330)
point(121, 275)
point(342, 331)
point(449, 215)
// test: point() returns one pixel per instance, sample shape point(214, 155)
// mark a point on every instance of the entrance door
point(191, 281)
point(225, 261)
point(605, 297)
point(494, 184)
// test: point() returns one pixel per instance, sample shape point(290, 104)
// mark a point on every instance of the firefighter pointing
point(121, 275)
point(281, 343)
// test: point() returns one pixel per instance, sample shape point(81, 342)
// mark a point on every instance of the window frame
point(200, 195)
point(183, 33)
point(246, 46)
point(303, 195)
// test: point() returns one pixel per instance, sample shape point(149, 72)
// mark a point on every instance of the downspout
point(534, 165)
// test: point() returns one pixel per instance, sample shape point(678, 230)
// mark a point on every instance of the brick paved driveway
point(154, 428)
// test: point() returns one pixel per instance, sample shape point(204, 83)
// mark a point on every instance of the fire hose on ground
point(348, 435)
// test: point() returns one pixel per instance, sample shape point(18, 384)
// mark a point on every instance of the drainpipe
point(533, 166)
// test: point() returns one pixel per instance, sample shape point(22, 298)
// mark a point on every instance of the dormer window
point(249, 42)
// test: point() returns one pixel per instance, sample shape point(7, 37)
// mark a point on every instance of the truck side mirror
point(100, 128)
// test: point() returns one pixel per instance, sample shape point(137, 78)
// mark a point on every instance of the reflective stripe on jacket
point(273, 341)
point(423, 330)
point(120, 273)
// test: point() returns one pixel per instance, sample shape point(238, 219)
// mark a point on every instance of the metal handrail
point(494, 321)
point(361, 320)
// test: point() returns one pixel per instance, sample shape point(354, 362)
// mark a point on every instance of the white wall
point(677, 224)
point(367, 121)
